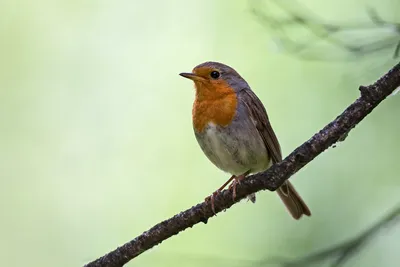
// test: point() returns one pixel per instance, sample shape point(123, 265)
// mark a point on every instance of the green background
point(97, 143)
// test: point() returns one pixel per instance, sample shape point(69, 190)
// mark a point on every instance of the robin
point(232, 128)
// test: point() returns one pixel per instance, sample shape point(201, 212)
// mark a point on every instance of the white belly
point(234, 149)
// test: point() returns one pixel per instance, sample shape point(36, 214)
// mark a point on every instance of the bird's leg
point(235, 182)
point(213, 195)
point(226, 183)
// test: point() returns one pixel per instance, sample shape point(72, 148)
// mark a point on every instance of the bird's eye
point(215, 74)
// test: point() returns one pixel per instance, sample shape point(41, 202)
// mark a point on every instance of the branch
point(343, 251)
point(337, 255)
point(271, 179)
point(321, 36)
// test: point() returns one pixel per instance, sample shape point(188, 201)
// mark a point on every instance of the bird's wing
point(259, 115)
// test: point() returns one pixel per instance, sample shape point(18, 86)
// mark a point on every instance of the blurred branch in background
point(337, 255)
point(341, 253)
point(299, 31)
point(271, 179)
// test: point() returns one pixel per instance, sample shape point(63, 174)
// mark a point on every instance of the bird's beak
point(191, 76)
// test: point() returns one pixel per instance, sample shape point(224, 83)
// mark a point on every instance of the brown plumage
point(232, 127)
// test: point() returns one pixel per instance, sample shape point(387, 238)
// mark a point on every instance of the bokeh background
point(97, 144)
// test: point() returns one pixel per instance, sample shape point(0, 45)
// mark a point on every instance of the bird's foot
point(235, 182)
point(211, 199)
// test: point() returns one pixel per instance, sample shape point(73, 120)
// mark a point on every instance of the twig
point(327, 35)
point(271, 179)
point(338, 254)
point(341, 252)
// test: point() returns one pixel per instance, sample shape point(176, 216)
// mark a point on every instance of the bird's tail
point(292, 200)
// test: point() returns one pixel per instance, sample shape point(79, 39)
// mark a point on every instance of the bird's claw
point(233, 185)
point(211, 199)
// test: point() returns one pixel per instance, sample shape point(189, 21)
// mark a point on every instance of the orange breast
point(216, 104)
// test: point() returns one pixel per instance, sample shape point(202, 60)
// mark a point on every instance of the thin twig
point(337, 254)
point(342, 252)
point(327, 35)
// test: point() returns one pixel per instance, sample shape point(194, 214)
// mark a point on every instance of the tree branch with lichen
point(271, 179)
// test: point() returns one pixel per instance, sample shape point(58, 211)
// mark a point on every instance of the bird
point(232, 127)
